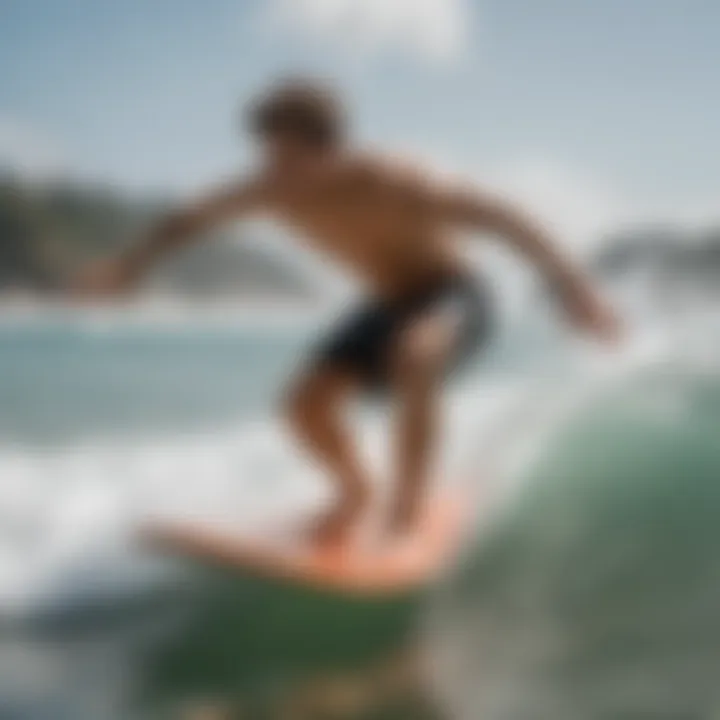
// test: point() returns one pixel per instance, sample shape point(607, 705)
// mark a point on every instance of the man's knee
point(421, 354)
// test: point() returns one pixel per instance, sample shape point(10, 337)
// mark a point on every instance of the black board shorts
point(362, 342)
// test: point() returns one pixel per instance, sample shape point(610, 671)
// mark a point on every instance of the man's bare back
point(391, 227)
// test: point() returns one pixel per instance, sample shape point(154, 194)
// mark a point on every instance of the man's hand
point(588, 312)
point(109, 278)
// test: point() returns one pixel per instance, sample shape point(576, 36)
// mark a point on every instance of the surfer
point(389, 225)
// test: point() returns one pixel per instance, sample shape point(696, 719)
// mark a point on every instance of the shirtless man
point(390, 228)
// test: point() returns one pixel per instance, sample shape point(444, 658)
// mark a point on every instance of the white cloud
point(26, 151)
point(430, 29)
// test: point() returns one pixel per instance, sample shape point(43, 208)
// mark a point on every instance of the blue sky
point(593, 107)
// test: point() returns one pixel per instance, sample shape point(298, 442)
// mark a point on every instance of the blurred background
point(591, 587)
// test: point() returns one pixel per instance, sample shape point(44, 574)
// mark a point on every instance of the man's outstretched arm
point(120, 273)
point(486, 213)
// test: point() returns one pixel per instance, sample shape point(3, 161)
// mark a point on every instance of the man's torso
point(359, 214)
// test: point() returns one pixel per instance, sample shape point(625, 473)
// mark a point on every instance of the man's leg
point(421, 359)
point(315, 410)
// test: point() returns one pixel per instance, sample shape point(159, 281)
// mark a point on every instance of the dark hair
point(306, 109)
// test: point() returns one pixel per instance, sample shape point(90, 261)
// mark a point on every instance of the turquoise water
point(590, 591)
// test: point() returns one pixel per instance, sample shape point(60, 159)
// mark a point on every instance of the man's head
point(296, 119)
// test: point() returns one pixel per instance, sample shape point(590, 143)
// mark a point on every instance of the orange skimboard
point(383, 568)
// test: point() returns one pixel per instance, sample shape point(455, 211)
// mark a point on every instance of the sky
point(590, 111)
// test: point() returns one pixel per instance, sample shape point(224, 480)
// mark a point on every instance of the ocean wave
point(596, 594)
